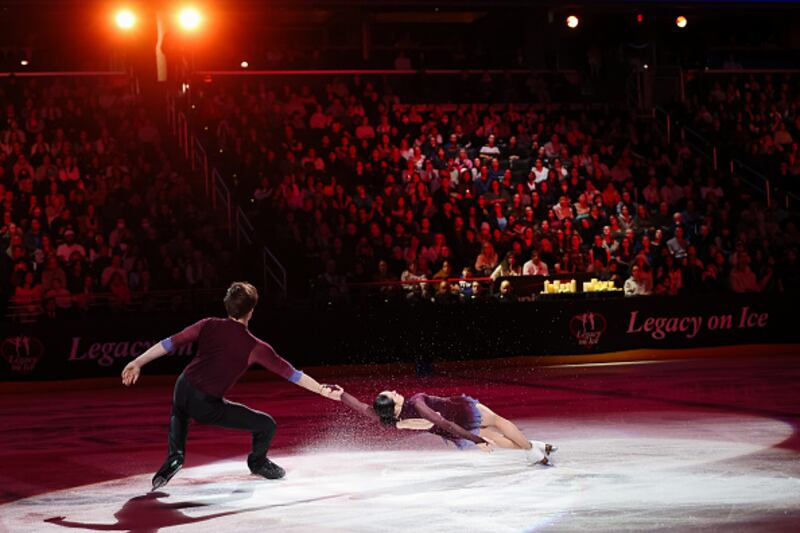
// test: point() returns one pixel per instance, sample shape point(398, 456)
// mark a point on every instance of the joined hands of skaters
point(332, 392)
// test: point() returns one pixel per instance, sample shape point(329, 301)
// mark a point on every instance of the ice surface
point(666, 470)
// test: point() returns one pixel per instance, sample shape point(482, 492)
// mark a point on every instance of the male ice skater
point(225, 349)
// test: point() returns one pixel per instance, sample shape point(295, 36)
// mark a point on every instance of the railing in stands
point(752, 177)
point(273, 267)
point(199, 161)
point(700, 145)
point(183, 135)
point(749, 175)
point(245, 228)
point(218, 193)
point(221, 197)
point(661, 116)
point(704, 147)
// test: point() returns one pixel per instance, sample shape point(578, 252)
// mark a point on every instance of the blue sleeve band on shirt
point(167, 344)
point(295, 377)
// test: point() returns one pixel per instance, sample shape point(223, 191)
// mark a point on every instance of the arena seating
point(354, 185)
point(95, 214)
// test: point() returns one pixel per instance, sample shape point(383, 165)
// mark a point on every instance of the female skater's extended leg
point(503, 426)
point(512, 437)
point(498, 439)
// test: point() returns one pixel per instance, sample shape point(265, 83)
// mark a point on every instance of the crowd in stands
point(754, 118)
point(92, 211)
point(353, 186)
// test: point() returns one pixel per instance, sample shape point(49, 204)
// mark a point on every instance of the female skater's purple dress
point(455, 418)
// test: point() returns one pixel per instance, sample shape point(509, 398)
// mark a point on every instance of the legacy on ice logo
point(587, 328)
point(22, 353)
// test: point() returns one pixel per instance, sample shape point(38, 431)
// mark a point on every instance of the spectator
point(120, 297)
point(115, 268)
point(666, 286)
point(445, 273)
point(28, 296)
point(540, 172)
point(487, 260)
point(139, 279)
point(331, 283)
point(411, 278)
point(490, 151)
point(636, 284)
point(678, 245)
point(742, 279)
point(476, 293)
point(711, 282)
point(444, 294)
point(508, 267)
point(506, 292)
point(563, 210)
point(53, 272)
point(535, 266)
point(69, 247)
point(61, 297)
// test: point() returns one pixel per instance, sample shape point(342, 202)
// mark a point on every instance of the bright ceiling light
point(189, 18)
point(125, 19)
point(573, 21)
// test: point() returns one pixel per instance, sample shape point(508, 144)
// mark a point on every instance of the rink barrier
point(421, 334)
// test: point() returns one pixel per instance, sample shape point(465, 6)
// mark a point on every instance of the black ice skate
point(267, 469)
point(167, 471)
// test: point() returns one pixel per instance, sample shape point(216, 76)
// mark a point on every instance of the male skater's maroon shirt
point(225, 349)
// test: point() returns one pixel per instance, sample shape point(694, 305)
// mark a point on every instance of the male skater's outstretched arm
point(225, 349)
point(266, 358)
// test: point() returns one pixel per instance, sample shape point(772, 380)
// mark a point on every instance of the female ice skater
point(225, 349)
point(461, 420)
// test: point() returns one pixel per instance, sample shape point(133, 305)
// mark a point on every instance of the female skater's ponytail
point(384, 408)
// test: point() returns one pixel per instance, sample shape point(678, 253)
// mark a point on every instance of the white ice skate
point(540, 453)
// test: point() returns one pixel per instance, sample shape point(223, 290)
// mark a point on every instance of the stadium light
point(125, 19)
point(573, 21)
point(681, 21)
point(189, 18)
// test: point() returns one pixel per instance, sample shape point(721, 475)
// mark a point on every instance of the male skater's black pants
point(189, 402)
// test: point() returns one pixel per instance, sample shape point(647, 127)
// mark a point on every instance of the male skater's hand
point(332, 392)
point(130, 374)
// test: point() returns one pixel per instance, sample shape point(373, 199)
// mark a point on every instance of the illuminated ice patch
point(668, 470)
